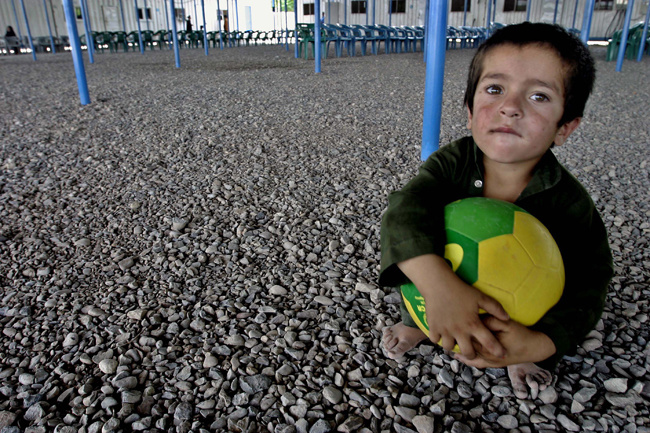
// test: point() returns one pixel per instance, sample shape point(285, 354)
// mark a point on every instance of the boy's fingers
point(490, 343)
point(492, 307)
point(494, 324)
point(466, 348)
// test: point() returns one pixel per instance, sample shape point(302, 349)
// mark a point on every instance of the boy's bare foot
point(399, 339)
point(528, 375)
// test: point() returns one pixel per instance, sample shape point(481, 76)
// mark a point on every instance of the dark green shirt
point(413, 225)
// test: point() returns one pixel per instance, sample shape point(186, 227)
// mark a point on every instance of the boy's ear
point(565, 131)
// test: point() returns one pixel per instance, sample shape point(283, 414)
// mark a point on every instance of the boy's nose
point(511, 106)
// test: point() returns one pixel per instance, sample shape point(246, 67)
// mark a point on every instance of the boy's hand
point(453, 316)
point(452, 307)
point(522, 345)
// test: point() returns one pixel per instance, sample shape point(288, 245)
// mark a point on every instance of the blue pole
point(626, 32)
point(177, 55)
point(77, 59)
point(465, 14)
point(196, 16)
point(29, 33)
point(586, 21)
point(146, 17)
point(123, 20)
point(644, 36)
point(49, 28)
point(20, 35)
point(89, 37)
point(528, 5)
point(317, 47)
point(137, 19)
point(237, 16)
point(219, 21)
point(489, 15)
point(575, 14)
point(286, 22)
point(426, 32)
point(90, 27)
point(557, 3)
point(166, 22)
point(205, 29)
point(295, 13)
point(434, 77)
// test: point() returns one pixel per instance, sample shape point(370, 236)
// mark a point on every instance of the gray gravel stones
point(197, 250)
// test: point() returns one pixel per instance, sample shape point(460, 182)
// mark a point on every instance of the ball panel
point(467, 268)
point(538, 242)
point(503, 264)
point(478, 218)
point(415, 305)
point(542, 290)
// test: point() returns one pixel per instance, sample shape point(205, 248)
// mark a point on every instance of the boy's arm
point(452, 306)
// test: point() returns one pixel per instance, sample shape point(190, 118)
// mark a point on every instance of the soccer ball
point(503, 251)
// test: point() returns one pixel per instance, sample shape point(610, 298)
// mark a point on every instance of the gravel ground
point(198, 249)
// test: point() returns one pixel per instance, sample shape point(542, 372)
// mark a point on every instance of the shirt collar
point(547, 173)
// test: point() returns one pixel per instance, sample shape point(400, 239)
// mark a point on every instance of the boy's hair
point(580, 70)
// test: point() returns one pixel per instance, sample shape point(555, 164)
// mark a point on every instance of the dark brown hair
point(580, 72)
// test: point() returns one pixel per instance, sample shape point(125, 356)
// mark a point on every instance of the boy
point(526, 91)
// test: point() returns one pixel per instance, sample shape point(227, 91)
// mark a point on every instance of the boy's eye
point(493, 89)
point(539, 97)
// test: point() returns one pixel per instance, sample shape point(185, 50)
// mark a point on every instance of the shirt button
point(478, 183)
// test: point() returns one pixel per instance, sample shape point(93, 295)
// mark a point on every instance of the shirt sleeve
point(413, 224)
point(583, 243)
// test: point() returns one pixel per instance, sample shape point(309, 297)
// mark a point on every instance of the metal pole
point(89, 37)
point(90, 26)
point(434, 77)
point(237, 16)
point(219, 18)
point(390, 13)
point(426, 32)
point(205, 29)
point(177, 55)
point(465, 14)
point(123, 20)
point(366, 3)
point(196, 17)
point(20, 35)
point(295, 13)
point(286, 22)
point(317, 47)
point(374, 7)
point(29, 33)
point(575, 14)
point(146, 17)
point(489, 15)
point(586, 21)
point(329, 12)
point(49, 28)
point(644, 36)
point(494, 11)
point(528, 4)
point(77, 59)
point(166, 22)
point(557, 3)
point(345, 12)
point(626, 32)
point(137, 19)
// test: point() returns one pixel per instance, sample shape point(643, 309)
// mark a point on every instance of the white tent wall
point(106, 15)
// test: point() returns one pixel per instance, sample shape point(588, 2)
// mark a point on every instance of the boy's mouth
point(506, 130)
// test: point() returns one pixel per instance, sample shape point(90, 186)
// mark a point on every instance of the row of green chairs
point(634, 38)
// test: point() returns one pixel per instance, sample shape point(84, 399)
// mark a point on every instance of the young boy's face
point(518, 103)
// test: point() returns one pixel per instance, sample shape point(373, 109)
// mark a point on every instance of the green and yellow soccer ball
point(503, 251)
